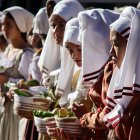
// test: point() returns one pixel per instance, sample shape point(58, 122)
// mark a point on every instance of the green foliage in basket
point(42, 114)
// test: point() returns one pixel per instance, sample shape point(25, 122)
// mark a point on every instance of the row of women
point(91, 55)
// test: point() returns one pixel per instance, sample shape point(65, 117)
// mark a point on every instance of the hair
point(50, 5)
point(3, 40)
point(23, 35)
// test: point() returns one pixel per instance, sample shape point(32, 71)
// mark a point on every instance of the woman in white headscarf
point(95, 55)
point(122, 102)
point(41, 24)
point(63, 11)
point(36, 39)
point(68, 67)
point(73, 48)
point(16, 22)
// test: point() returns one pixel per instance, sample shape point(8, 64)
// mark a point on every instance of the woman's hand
point(93, 121)
point(10, 94)
point(3, 78)
point(79, 109)
point(54, 133)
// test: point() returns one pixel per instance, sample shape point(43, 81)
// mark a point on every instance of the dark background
point(35, 5)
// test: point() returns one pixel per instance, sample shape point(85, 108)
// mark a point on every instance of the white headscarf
point(67, 9)
point(67, 65)
point(1, 14)
point(72, 32)
point(126, 80)
point(41, 24)
point(94, 35)
point(22, 17)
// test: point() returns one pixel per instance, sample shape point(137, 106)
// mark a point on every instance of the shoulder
point(28, 49)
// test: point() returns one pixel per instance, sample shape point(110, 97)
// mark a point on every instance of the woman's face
point(75, 52)
point(118, 48)
point(9, 28)
point(58, 27)
point(34, 40)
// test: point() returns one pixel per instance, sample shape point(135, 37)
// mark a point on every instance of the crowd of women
point(91, 57)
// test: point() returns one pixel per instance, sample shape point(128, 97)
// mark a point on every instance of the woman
point(61, 14)
point(16, 22)
point(69, 69)
point(122, 102)
point(91, 23)
point(72, 45)
point(36, 40)
point(41, 24)
point(34, 71)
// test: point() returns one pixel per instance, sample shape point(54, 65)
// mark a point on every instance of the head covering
point(67, 9)
point(22, 17)
point(72, 32)
point(67, 65)
point(50, 49)
point(125, 22)
point(1, 13)
point(41, 24)
point(138, 6)
point(125, 81)
point(94, 35)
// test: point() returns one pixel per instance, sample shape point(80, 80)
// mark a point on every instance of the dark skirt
point(129, 126)
point(31, 131)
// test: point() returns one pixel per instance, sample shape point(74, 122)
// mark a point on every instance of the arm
point(93, 120)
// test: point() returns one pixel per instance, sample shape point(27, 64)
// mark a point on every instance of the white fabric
point(9, 124)
point(67, 63)
point(126, 79)
point(56, 1)
point(1, 13)
point(25, 61)
point(51, 79)
point(72, 32)
point(67, 9)
point(125, 22)
point(94, 35)
point(50, 56)
point(34, 69)
point(5, 62)
point(50, 49)
point(22, 17)
point(41, 24)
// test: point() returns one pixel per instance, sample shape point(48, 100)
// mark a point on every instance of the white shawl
point(125, 81)
point(94, 35)
point(41, 24)
point(50, 50)
point(67, 65)
point(22, 17)
point(67, 9)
